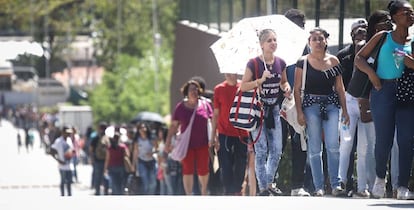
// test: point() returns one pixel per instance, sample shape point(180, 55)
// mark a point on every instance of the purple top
point(271, 87)
point(199, 136)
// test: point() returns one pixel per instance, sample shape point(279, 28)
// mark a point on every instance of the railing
point(222, 14)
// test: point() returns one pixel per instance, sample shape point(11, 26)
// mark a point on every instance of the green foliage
point(129, 89)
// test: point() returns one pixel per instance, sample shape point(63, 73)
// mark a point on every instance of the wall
point(193, 57)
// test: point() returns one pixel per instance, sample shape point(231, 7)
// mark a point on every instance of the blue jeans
point(148, 173)
point(268, 151)
point(405, 139)
point(383, 108)
point(232, 157)
point(99, 178)
point(65, 179)
point(315, 125)
point(117, 174)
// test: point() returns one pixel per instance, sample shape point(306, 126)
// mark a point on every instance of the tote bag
point(182, 140)
point(246, 112)
point(360, 86)
point(288, 109)
point(289, 113)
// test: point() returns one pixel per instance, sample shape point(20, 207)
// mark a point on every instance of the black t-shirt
point(319, 82)
point(346, 57)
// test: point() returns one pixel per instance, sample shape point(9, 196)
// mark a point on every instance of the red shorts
point(200, 157)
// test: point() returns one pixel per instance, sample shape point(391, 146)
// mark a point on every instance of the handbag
point(182, 140)
point(364, 110)
point(246, 112)
point(360, 86)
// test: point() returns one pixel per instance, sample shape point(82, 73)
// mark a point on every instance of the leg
point(314, 131)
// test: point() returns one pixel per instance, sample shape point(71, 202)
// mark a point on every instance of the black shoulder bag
point(360, 86)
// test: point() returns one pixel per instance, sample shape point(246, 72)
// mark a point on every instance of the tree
point(124, 45)
point(129, 89)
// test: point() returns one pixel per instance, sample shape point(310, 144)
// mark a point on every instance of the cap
point(359, 23)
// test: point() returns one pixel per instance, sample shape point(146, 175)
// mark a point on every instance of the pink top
point(182, 114)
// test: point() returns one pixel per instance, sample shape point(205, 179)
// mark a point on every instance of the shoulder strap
point(256, 67)
point(304, 69)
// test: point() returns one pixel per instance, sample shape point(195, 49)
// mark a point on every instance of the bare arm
point(135, 153)
point(362, 56)
point(248, 82)
point(284, 84)
point(107, 157)
point(214, 142)
point(171, 132)
point(340, 89)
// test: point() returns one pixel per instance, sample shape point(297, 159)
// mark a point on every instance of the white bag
point(289, 113)
point(182, 140)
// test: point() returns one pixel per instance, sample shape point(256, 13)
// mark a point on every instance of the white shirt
point(61, 146)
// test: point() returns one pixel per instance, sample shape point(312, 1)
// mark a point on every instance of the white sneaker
point(378, 190)
point(319, 193)
point(404, 194)
point(299, 192)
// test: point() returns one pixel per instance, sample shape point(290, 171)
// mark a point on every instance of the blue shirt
point(387, 68)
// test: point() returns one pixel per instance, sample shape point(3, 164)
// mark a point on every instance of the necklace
point(269, 65)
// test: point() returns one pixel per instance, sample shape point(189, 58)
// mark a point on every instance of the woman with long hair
point(323, 96)
point(143, 159)
point(387, 115)
point(271, 81)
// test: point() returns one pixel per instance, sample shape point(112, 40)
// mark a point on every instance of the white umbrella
point(234, 49)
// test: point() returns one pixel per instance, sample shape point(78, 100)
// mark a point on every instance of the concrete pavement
point(30, 180)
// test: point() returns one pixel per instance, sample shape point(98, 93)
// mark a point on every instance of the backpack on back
point(101, 147)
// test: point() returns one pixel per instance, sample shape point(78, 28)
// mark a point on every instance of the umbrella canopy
point(234, 49)
point(148, 117)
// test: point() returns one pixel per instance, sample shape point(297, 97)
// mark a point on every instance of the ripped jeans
point(315, 125)
point(268, 151)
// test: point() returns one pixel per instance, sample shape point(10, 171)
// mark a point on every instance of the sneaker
point(273, 190)
point(404, 193)
point(319, 193)
point(299, 192)
point(362, 194)
point(339, 192)
point(378, 190)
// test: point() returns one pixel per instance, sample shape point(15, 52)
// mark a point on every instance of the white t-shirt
point(61, 146)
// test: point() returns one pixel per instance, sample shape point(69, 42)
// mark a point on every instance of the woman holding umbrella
point(272, 81)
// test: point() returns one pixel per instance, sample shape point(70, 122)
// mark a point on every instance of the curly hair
point(184, 88)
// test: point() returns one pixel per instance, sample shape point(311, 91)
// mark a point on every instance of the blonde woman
point(272, 81)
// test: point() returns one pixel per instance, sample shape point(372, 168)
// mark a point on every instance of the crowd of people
point(224, 161)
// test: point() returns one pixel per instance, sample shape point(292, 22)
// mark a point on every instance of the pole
point(157, 42)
